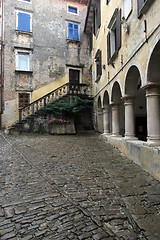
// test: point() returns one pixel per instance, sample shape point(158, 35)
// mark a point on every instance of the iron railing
point(64, 90)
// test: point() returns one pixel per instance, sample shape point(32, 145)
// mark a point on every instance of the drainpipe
point(2, 65)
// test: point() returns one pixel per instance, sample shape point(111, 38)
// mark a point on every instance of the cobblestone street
point(74, 187)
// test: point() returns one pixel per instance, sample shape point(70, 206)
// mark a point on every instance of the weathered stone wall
point(49, 45)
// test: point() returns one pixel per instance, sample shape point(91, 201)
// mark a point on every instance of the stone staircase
point(30, 121)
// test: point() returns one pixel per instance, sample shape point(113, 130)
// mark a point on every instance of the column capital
point(128, 99)
point(150, 85)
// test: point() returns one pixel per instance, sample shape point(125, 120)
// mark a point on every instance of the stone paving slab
point(74, 187)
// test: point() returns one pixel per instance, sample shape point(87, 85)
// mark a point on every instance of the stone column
point(115, 120)
point(106, 120)
point(129, 118)
point(153, 115)
point(100, 121)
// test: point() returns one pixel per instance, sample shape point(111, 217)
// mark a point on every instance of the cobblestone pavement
point(74, 187)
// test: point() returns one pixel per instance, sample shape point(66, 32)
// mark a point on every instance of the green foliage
point(69, 108)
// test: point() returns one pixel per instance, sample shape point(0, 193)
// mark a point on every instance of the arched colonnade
point(133, 111)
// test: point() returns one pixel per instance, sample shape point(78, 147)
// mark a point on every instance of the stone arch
point(153, 69)
point(153, 96)
point(116, 93)
point(135, 105)
point(106, 114)
point(117, 110)
point(99, 115)
point(132, 81)
point(99, 103)
point(106, 99)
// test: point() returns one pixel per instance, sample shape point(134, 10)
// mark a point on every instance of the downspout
point(2, 65)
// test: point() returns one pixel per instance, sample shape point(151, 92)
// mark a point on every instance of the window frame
point(74, 7)
point(24, 94)
point(23, 52)
point(68, 31)
point(17, 21)
point(114, 36)
point(74, 68)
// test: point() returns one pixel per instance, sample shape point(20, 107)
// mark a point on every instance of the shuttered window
point(73, 31)
point(97, 16)
point(24, 100)
point(24, 22)
point(114, 38)
point(98, 60)
point(74, 76)
point(91, 40)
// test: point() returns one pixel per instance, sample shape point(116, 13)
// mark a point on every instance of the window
point(23, 60)
point(24, 21)
point(91, 40)
point(24, 99)
point(74, 76)
point(73, 31)
point(97, 17)
point(98, 60)
point(114, 36)
point(143, 6)
point(72, 10)
point(127, 8)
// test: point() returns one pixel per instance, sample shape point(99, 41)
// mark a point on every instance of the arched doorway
point(117, 111)
point(135, 106)
point(153, 97)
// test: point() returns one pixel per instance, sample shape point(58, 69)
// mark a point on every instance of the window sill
point(98, 78)
point(24, 71)
point(23, 32)
point(72, 41)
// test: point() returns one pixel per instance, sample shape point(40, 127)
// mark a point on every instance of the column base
point(106, 133)
point(153, 142)
point(130, 137)
point(116, 135)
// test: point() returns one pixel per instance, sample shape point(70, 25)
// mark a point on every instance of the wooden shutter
point(108, 48)
point(140, 4)
point(76, 32)
point(118, 31)
point(70, 30)
point(91, 40)
point(99, 13)
point(74, 76)
point(94, 23)
point(100, 63)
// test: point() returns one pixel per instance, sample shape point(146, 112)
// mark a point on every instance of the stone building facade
point(124, 60)
point(44, 46)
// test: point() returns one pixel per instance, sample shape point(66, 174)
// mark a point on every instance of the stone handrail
point(66, 89)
